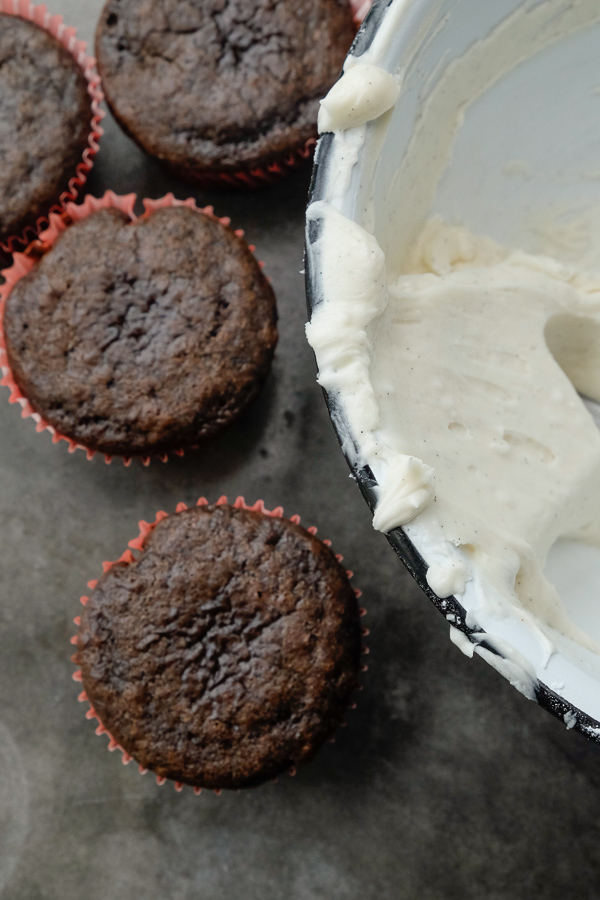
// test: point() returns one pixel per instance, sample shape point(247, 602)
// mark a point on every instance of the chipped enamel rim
point(328, 161)
point(127, 557)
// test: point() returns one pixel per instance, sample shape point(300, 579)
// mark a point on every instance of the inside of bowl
point(507, 149)
point(496, 129)
point(525, 166)
point(574, 569)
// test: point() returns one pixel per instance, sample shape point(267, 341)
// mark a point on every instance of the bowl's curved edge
point(571, 715)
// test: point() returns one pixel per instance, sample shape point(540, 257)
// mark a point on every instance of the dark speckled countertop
point(445, 785)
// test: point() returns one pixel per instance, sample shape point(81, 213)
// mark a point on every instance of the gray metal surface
point(445, 784)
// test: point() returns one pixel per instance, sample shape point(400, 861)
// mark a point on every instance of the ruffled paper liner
point(262, 176)
point(55, 26)
point(127, 557)
point(253, 179)
point(360, 8)
point(24, 263)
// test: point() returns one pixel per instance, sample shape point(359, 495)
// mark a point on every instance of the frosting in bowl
point(454, 366)
point(465, 379)
point(461, 380)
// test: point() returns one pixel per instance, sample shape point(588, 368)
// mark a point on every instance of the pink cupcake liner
point(127, 557)
point(254, 179)
point(264, 175)
point(55, 26)
point(360, 8)
point(24, 263)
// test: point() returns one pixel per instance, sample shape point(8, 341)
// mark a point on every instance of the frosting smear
point(476, 365)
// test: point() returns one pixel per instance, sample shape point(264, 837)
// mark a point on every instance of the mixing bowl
point(497, 126)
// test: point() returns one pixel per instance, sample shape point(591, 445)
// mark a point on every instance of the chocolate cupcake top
point(139, 338)
point(227, 652)
point(215, 86)
point(45, 121)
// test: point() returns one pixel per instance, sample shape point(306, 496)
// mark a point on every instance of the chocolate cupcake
point(137, 338)
point(45, 123)
point(214, 89)
point(227, 652)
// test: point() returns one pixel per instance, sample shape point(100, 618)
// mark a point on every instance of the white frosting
point(459, 379)
point(363, 93)
point(464, 378)
point(404, 492)
point(462, 641)
point(355, 292)
point(454, 375)
point(447, 580)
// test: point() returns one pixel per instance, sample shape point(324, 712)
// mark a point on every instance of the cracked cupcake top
point(45, 121)
point(212, 86)
point(227, 652)
point(139, 338)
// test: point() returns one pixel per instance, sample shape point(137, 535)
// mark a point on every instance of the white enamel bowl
point(530, 139)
